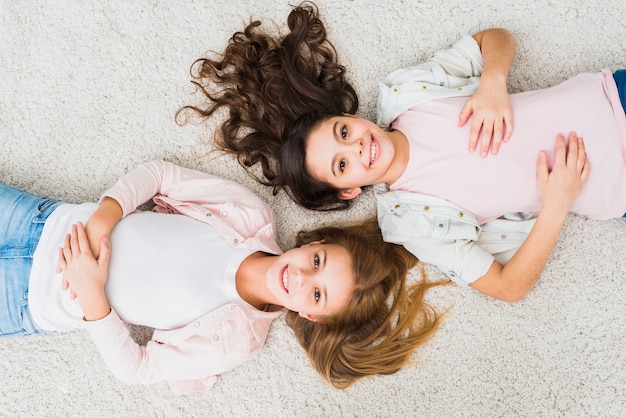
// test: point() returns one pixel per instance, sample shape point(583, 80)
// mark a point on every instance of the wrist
point(493, 79)
point(95, 313)
point(94, 307)
point(554, 214)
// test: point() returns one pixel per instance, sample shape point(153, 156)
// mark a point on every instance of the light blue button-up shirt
point(435, 230)
point(441, 233)
point(447, 73)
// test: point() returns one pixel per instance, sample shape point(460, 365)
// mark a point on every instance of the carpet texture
point(88, 90)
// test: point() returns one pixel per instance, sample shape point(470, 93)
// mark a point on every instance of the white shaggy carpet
point(88, 90)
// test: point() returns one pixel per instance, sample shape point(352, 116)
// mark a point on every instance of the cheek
point(301, 304)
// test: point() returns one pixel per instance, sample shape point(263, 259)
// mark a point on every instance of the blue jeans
point(22, 218)
point(620, 79)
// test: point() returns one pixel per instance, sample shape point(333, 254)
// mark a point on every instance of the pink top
point(191, 356)
point(440, 164)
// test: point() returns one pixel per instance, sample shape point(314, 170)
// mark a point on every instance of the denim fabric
point(22, 217)
point(620, 80)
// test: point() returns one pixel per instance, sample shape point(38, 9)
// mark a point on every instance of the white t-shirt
point(165, 270)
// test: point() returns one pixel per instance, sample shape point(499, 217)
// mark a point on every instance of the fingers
point(508, 125)
point(497, 137)
point(577, 151)
point(74, 242)
point(105, 252)
point(81, 235)
point(560, 150)
point(474, 134)
point(579, 156)
point(486, 138)
point(464, 116)
point(576, 154)
point(542, 167)
point(572, 150)
point(573, 155)
point(491, 134)
point(74, 246)
point(66, 249)
point(62, 264)
point(466, 112)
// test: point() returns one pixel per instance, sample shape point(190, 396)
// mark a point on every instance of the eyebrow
point(332, 163)
point(324, 290)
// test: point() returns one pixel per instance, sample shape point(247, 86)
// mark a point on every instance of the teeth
point(285, 281)
point(373, 152)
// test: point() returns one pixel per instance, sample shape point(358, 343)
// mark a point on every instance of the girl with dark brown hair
point(488, 222)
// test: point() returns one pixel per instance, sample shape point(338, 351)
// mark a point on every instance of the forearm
point(558, 189)
point(102, 222)
point(497, 47)
point(124, 357)
point(521, 273)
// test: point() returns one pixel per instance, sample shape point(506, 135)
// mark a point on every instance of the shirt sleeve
point(463, 59)
point(184, 184)
point(193, 361)
point(436, 232)
point(463, 261)
point(242, 217)
point(450, 72)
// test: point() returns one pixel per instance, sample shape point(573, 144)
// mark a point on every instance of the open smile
point(283, 279)
point(373, 151)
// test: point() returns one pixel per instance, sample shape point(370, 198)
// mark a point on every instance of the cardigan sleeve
point(188, 358)
point(238, 214)
point(162, 178)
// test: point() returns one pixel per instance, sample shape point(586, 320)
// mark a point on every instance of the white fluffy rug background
point(88, 90)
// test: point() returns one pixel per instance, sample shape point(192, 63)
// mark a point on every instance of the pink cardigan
point(189, 358)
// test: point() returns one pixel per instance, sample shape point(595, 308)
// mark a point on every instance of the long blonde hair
point(369, 336)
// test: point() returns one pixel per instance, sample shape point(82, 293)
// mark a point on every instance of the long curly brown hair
point(266, 83)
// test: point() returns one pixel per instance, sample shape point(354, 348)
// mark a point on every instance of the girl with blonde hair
point(204, 270)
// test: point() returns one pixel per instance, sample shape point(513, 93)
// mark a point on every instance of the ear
point(310, 317)
point(348, 194)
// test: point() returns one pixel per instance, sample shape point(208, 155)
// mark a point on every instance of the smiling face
point(315, 280)
point(348, 152)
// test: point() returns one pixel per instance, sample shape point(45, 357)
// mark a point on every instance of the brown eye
point(317, 295)
point(344, 133)
point(342, 165)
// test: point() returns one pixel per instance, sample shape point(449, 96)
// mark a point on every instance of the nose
point(301, 278)
point(356, 147)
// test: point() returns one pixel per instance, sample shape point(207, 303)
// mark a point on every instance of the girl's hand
point(560, 186)
point(99, 227)
point(84, 274)
point(492, 119)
